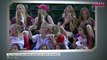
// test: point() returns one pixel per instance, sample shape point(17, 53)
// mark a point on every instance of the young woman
point(42, 17)
point(85, 18)
point(16, 36)
point(68, 23)
point(21, 17)
point(81, 41)
point(68, 20)
point(40, 38)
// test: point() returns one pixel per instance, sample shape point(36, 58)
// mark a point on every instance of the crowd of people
point(41, 33)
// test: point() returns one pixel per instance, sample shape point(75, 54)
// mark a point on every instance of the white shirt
point(81, 42)
point(18, 40)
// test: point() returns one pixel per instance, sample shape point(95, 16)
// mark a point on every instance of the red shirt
point(60, 38)
point(26, 42)
point(28, 19)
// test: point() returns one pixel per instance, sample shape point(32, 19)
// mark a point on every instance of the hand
point(22, 18)
point(50, 36)
point(30, 28)
point(66, 21)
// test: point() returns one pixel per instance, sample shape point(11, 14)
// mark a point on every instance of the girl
point(42, 17)
point(81, 41)
point(40, 38)
point(68, 23)
point(59, 37)
point(68, 20)
point(15, 47)
point(15, 36)
point(85, 18)
point(21, 17)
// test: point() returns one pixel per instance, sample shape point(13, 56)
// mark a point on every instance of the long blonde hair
point(72, 10)
point(24, 14)
point(73, 15)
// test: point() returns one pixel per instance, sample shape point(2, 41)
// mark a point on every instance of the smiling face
point(44, 28)
point(13, 31)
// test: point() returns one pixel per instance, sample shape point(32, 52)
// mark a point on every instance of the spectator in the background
point(21, 17)
point(16, 37)
point(69, 22)
point(42, 17)
point(85, 18)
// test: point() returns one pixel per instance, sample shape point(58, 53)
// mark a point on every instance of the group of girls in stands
point(27, 33)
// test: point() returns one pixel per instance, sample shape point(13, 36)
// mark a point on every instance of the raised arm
point(50, 19)
point(63, 31)
point(90, 35)
point(34, 26)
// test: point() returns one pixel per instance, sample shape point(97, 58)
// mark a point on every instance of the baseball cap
point(43, 6)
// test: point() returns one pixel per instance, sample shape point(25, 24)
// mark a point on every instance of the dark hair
point(42, 46)
point(40, 20)
point(83, 9)
point(61, 45)
point(83, 26)
point(16, 45)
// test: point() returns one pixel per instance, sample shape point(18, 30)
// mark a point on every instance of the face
point(70, 10)
point(44, 29)
point(40, 11)
point(84, 14)
point(51, 31)
point(43, 48)
point(14, 47)
point(80, 30)
point(13, 31)
point(19, 10)
point(56, 29)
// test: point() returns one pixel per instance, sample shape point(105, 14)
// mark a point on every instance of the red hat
point(42, 6)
